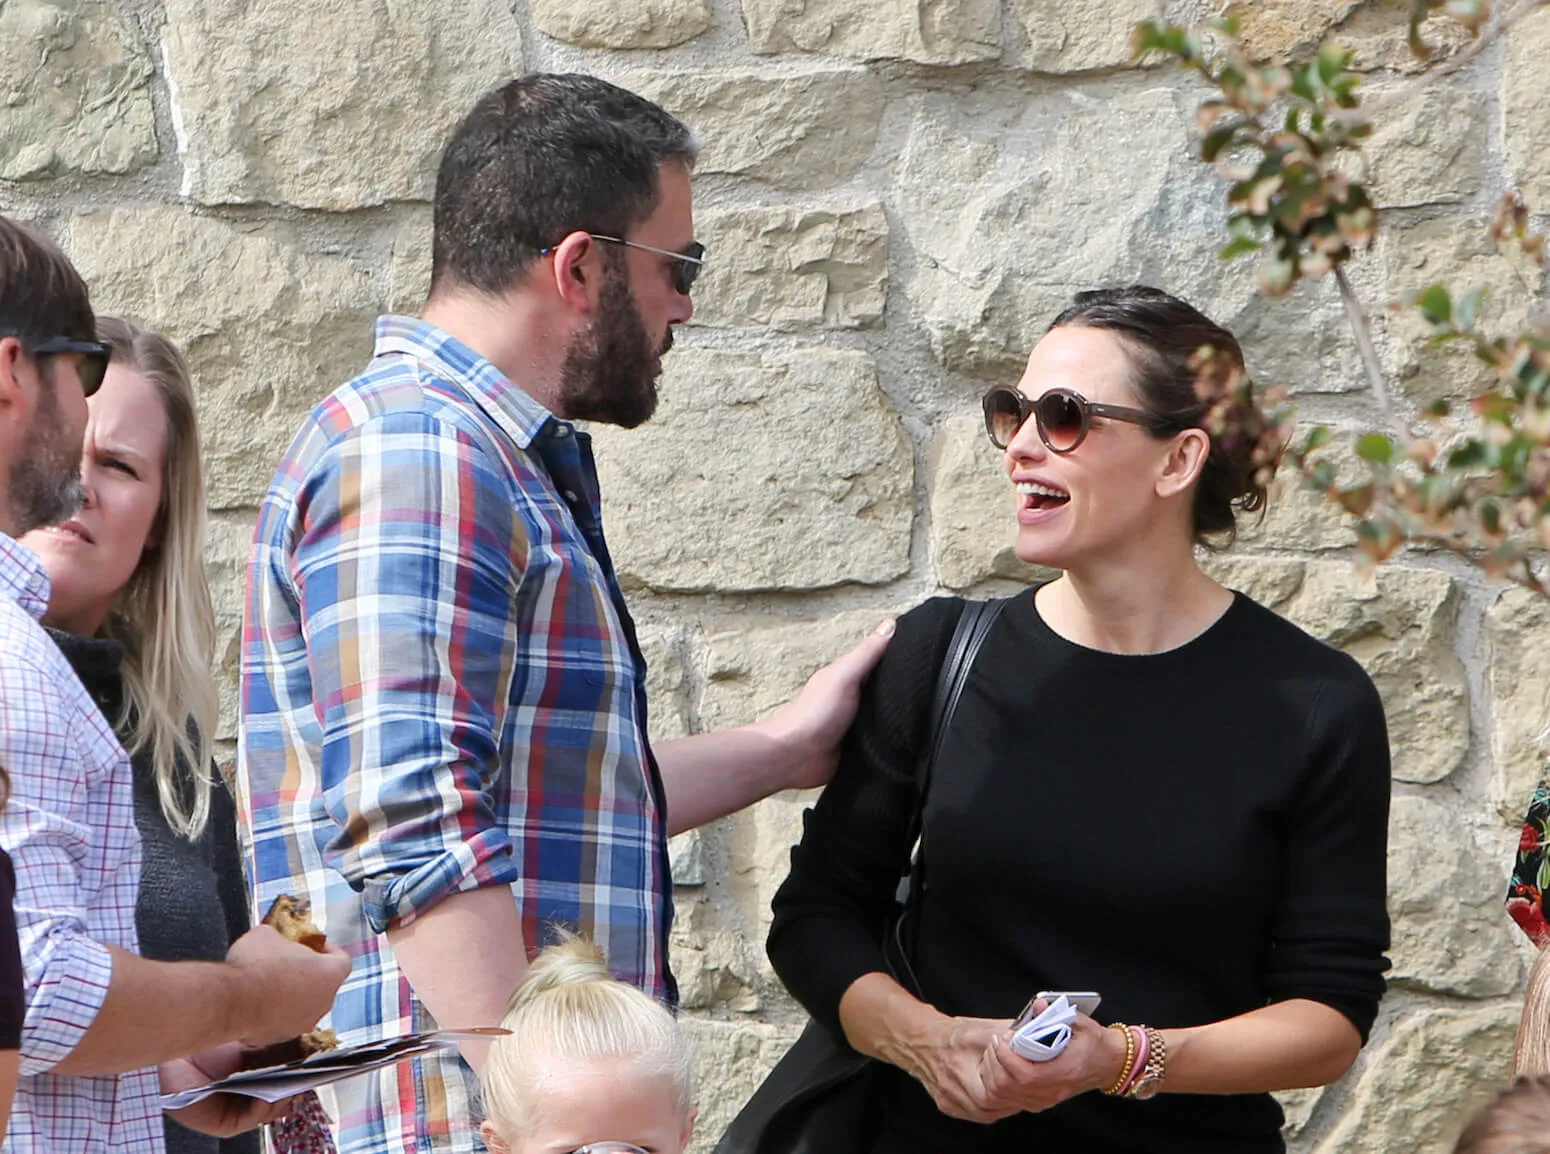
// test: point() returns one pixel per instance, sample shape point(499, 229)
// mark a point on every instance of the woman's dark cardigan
point(192, 902)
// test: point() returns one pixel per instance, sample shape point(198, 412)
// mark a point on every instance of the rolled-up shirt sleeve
point(406, 558)
point(47, 829)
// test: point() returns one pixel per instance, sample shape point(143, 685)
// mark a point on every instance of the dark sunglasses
point(91, 368)
point(686, 264)
point(1062, 416)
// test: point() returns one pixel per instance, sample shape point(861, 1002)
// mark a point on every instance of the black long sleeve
point(1193, 834)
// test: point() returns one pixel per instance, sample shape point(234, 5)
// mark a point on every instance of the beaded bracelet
point(1143, 1048)
point(1128, 1067)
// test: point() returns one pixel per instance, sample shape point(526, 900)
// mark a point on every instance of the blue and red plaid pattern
point(69, 828)
point(441, 690)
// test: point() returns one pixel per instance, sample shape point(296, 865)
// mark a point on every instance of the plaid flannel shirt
point(69, 827)
point(442, 690)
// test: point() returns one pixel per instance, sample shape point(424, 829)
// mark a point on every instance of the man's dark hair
point(539, 158)
point(41, 294)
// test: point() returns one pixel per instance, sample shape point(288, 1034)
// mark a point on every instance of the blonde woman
point(130, 608)
point(592, 1065)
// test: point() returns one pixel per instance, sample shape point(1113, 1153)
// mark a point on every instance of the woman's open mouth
point(1039, 497)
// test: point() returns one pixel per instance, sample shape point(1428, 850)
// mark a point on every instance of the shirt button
point(561, 431)
point(570, 495)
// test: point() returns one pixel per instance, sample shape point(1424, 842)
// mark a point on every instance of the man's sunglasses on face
point(92, 366)
point(686, 264)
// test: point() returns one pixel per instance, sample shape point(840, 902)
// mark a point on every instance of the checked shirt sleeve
point(48, 829)
point(406, 558)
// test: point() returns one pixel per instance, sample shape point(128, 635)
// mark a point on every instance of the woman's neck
point(1131, 609)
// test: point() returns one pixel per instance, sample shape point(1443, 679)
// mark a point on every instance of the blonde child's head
point(589, 1061)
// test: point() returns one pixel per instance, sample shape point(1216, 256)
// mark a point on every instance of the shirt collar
point(23, 578)
point(507, 403)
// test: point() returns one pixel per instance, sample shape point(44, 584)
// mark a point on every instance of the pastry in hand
point(292, 917)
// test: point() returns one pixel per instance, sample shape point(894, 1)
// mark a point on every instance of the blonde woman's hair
point(163, 615)
point(1531, 1057)
point(1517, 1122)
point(569, 1006)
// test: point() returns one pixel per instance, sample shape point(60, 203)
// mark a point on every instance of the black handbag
point(819, 1098)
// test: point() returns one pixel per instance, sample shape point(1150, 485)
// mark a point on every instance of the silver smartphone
point(1086, 1001)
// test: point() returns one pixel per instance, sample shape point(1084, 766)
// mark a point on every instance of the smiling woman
point(130, 607)
point(1158, 790)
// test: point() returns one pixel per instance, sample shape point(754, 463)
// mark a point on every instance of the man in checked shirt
point(443, 717)
point(106, 1031)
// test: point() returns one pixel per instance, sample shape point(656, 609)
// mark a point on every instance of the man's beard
point(610, 371)
point(46, 484)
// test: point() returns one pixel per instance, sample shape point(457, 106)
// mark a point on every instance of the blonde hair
point(163, 615)
point(1531, 1056)
point(1517, 1122)
point(569, 1006)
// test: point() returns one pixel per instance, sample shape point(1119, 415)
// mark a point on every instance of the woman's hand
point(948, 1060)
point(1091, 1061)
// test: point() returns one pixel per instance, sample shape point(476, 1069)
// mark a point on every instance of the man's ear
point(688, 1131)
point(578, 271)
point(12, 360)
point(1186, 460)
point(492, 1139)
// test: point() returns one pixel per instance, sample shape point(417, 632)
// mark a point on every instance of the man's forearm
point(711, 775)
point(156, 1011)
point(463, 957)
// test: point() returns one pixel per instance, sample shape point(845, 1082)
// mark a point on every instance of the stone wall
point(896, 197)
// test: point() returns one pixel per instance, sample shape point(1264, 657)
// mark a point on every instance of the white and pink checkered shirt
point(69, 827)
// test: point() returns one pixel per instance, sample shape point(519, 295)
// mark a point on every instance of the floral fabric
point(1531, 871)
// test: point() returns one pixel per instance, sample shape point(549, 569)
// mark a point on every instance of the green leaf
point(1470, 455)
point(1318, 437)
point(1438, 409)
point(1435, 304)
point(1238, 246)
point(1375, 448)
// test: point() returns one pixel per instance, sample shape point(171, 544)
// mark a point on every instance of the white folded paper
point(1046, 1036)
point(276, 1083)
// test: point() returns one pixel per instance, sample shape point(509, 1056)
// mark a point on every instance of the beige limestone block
point(943, 32)
point(74, 93)
point(269, 328)
point(1430, 148)
point(228, 546)
point(351, 107)
point(1012, 209)
point(731, 1059)
point(753, 667)
point(622, 23)
point(1275, 31)
point(409, 266)
point(713, 973)
point(1445, 900)
point(1399, 624)
point(1519, 630)
point(1460, 254)
point(808, 128)
point(973, 509)
point(667, 681)
point(1062, 36)
point(1526, 109)
point(789, 268)
point(1374, 31)
point(1298, 1107)
point(1377, 36)
point(1422, 1082)
point(761, 471)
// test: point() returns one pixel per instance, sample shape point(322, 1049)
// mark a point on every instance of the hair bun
point(571, 961)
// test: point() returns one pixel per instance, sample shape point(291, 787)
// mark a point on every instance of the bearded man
point(443, 715)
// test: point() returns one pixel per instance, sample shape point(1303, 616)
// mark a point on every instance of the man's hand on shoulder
point(814, 723)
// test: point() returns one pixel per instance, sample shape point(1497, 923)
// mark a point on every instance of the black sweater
point(192, 902)
point(1193, 834)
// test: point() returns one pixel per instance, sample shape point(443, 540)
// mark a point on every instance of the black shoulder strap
point(969, 634)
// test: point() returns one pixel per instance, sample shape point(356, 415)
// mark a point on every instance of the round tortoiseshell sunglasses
point(1062, 416)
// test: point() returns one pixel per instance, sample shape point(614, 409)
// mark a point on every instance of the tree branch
point(1361, 325)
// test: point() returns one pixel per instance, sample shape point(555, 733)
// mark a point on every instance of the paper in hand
point(276, 1083)
point(1046, 1036)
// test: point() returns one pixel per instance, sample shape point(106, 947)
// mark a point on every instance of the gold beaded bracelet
point(1130, 1058)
